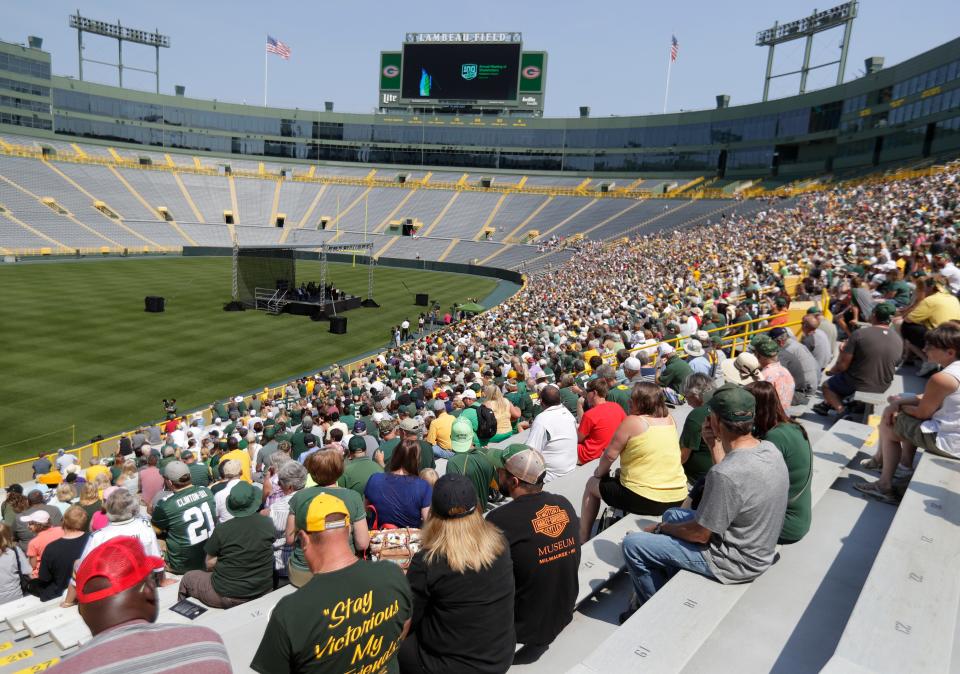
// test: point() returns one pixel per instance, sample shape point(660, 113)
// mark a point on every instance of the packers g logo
point(391, 71)
point(468, 71)
point(531, 73)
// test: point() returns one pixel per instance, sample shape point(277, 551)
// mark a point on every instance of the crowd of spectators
point(589, 359)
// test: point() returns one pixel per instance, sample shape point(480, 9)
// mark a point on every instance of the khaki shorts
point(908, 428)
point(298, 577)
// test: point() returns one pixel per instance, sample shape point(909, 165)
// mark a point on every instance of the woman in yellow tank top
point(651, 476)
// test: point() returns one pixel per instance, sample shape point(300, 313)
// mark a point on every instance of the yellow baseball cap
point(312, 515)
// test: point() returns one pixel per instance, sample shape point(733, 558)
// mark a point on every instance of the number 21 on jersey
point(199, 523)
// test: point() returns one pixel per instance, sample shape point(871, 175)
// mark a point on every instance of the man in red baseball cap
point(117, 594)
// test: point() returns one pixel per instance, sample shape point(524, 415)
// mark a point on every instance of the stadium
point(215, 306)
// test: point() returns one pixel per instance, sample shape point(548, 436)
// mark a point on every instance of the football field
point(80, 357)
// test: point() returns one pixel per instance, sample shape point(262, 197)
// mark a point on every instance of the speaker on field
point(153, 304)
point(422, 300)
point(338, 325)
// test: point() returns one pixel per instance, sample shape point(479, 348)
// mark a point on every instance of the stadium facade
point(894, 115)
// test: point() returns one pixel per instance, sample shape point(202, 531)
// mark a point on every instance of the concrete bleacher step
point(601, 558)
point(906, 616)
point(241, 627)
point(25, 659)
point(253, 611)
point(795, 612)
point(675, 622)
point(70, 635)
point(18, 606)
point(42, 623)
point(16, 616)
point(593, 621)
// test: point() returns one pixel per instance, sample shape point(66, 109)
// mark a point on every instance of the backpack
point(486, 422)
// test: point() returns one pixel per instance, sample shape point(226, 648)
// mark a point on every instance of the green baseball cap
point(521, 461)
point(814, 310)
point(498, 457)
point(884, 311)
point(764, 345)
point(733, 403)
point(357, 443)
point(461, 436)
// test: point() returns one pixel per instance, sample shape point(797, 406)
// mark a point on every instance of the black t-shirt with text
point(543, 531)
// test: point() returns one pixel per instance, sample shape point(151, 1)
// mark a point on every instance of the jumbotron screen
point(460, 72)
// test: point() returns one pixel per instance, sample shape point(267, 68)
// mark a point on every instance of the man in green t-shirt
point(351, 616)
point(520, 400)
point(674, 371)
point(240, 554)
point(199, 473)
point(185, 518)
point(409, 428)
point(469, 462)
point(298, 440)
point(366, 416)
point(616, 393)
point(896, 289)
point(359, 467)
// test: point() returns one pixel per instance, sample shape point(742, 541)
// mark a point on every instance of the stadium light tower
point(120, 34)
point(817, 22)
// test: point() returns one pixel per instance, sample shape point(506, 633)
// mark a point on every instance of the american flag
point(277, 47)
point(674, 47)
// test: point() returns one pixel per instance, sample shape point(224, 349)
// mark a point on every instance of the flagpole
point(265, 65)
point(666, 91)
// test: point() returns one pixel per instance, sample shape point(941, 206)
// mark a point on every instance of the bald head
point(550, 396)
point(810, 324)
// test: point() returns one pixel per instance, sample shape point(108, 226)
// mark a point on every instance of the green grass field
point(78, 348)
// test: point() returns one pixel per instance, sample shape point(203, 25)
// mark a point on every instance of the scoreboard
point(463, 71)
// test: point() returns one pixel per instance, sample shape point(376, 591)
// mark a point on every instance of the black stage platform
point(316, 310)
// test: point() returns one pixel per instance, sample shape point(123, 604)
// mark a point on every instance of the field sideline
point(79, 349)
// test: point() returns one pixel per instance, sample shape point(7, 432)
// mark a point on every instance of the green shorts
point(908, 428)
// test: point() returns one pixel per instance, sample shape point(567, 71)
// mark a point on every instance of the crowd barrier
point(62, 252)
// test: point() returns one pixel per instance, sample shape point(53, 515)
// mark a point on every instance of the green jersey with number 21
point(187, 517)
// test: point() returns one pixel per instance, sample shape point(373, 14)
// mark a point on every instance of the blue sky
point(609, 55)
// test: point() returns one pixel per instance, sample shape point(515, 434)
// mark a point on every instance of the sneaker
point(927, 369)
point(823, 409)
point(632, 608)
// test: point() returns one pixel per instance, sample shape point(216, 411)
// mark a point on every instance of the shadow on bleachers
point(817, 632)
